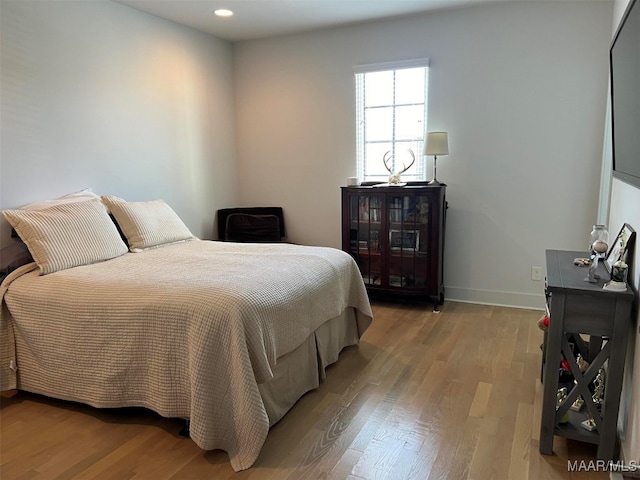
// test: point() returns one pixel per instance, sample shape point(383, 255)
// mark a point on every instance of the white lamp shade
point(437, 144)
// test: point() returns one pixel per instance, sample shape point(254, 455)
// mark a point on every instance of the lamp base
point(435, 169)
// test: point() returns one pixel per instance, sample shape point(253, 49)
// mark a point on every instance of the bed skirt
point(301, 370)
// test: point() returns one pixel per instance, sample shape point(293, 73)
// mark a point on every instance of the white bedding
point(188, 330)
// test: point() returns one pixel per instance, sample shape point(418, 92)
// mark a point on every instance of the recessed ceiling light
point(223, 12)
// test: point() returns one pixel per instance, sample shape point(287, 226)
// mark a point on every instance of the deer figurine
point(394, 178)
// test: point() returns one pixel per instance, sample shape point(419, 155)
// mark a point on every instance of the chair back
point(251, 224)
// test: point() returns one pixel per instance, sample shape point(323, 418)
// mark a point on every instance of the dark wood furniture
point(585, 319)
point(396, 235)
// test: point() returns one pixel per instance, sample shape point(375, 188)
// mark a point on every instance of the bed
point(226, 335)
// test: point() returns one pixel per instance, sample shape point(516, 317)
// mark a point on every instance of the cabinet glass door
point(408, 241)
point(365, 213)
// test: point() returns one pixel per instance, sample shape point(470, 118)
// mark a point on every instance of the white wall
point(624, 206)
point(98, 94)
point(521, 87)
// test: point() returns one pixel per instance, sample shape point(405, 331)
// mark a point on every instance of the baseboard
point(497, 298)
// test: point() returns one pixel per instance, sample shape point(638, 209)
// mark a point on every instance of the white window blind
point(391, 116)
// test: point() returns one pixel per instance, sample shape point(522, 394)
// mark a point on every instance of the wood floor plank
point(480, 467)
point(426, 395)
point(461, 463)
point(521, 444)
point(480, 400)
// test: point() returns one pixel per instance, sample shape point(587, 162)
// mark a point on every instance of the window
point(391, 116)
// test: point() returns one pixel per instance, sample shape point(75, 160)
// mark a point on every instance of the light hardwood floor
point(448, 395)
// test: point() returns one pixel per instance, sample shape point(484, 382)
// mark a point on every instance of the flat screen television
point(624, 60)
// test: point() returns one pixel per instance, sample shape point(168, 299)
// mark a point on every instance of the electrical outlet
point(536, 273)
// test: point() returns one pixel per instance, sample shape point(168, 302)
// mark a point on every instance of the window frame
point(361, 142)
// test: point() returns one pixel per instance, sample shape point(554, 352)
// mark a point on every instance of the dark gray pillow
point(12, 257)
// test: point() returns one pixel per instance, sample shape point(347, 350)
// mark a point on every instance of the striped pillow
point(67, 235)
point(147, 224)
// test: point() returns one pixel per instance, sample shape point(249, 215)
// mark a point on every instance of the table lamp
point(437, 144)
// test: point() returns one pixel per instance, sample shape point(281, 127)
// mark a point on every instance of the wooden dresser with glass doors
point(396, 235)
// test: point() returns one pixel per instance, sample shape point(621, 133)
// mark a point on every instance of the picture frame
point(621, 247)
point(404, 239)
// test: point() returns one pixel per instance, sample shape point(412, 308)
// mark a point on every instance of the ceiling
point(255, 19)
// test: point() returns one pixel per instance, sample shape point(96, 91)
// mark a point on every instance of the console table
point(596, 323)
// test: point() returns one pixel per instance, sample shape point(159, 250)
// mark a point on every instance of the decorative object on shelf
point(589, 423)
point(395, 178)
point(598, 399)
point(352, 181)
point(598, 391)
point(618, 282)
point(619, 272)
point(543, 323)
point(582, 363)
point(561, 396)
point(577, 405)
point(581, 262)
point(437, 144)
point(617, 257)
point(598, 246)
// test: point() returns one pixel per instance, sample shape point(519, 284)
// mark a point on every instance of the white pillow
point(68, 234)
point(147, 224)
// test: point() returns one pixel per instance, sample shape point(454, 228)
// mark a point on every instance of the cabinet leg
point(552, 357)
point(436, 305)
point(547, 424)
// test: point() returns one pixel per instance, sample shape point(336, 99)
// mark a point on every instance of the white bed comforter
point(187, 330)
